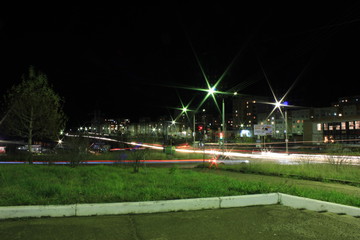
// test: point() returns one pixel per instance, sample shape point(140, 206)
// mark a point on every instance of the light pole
point(286, 134)
point(194, 133)
point(279, 104)
point(185, 110)
point(223, 123)
point(212, 91)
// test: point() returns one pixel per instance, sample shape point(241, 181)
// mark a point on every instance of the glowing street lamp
point(278, 105)
point(212, 90)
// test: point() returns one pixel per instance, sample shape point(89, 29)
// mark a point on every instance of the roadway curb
point(249, 200)
point(147, 207)
point(317, 205)
point(175, 205)
point(37, 211)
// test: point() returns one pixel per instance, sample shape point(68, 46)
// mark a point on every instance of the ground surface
point(343, 188)
point(260, 222)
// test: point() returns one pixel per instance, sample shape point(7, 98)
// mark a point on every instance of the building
point(344, 129)
point(246, 110)
point(341, 123)
point(296, 118)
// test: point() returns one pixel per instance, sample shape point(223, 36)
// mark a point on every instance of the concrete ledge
point(317, 205)
point(174, 205)
point(249, 200)
point(37, 211)
point(147, 207)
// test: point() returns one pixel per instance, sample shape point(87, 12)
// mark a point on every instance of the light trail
point(269, 156)
point(260, 155)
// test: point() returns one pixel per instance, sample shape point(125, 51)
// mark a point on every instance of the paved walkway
point(261, 222)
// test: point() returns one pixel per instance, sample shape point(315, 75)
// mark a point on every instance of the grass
point(117, 155)
point(38, 185)
point(320, 172)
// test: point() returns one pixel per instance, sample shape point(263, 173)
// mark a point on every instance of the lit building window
point(318, 126)
point(351, 125)
point(343, 125)
point(357, 124)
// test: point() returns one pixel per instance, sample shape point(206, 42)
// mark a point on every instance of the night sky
point(130, 60)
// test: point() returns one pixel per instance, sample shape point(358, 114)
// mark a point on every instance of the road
point(260, 222)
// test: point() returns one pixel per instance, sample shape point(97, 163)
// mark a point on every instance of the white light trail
point(264, 155)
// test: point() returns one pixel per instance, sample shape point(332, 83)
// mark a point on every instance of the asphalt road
point(260, 222)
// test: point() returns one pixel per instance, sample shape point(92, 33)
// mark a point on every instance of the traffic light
point(221, 136)
point(200, 128)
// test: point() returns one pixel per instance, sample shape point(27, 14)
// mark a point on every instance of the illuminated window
point(318, 127)
point(357, 124)
point(351, 125)
point(343, 125)
point(326, 127)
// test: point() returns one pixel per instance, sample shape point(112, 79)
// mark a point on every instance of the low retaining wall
point(174, 205)
point(317, 205)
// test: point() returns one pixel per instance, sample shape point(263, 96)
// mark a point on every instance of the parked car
point(34, 148)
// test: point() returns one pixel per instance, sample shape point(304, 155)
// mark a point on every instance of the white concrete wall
point(175, 205)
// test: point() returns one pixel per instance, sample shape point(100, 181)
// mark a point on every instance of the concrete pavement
point(258, 222)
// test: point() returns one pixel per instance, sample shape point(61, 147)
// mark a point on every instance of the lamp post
point(223, 123)
point(212, 91)
point(286, 134)
point(279, 104)
point(185, 110)
point(194, 133)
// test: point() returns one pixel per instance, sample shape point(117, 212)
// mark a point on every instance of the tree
point(33, 109)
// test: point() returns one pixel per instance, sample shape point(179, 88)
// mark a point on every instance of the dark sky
point(125, 60)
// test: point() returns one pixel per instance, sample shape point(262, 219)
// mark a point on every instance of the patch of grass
point(118, 155)
point(38, 184)
point(319, 172)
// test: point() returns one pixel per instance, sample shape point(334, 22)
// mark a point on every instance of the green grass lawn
point(38, 184)
point(147, 154)
point(320, 172)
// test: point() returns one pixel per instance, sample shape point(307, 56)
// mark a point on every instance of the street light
point(212, 91)
point(185, 110)
point(277, 105)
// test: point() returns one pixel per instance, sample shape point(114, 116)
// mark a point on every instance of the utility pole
point(223, 124)
point(286, 133)
point(194, 133)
